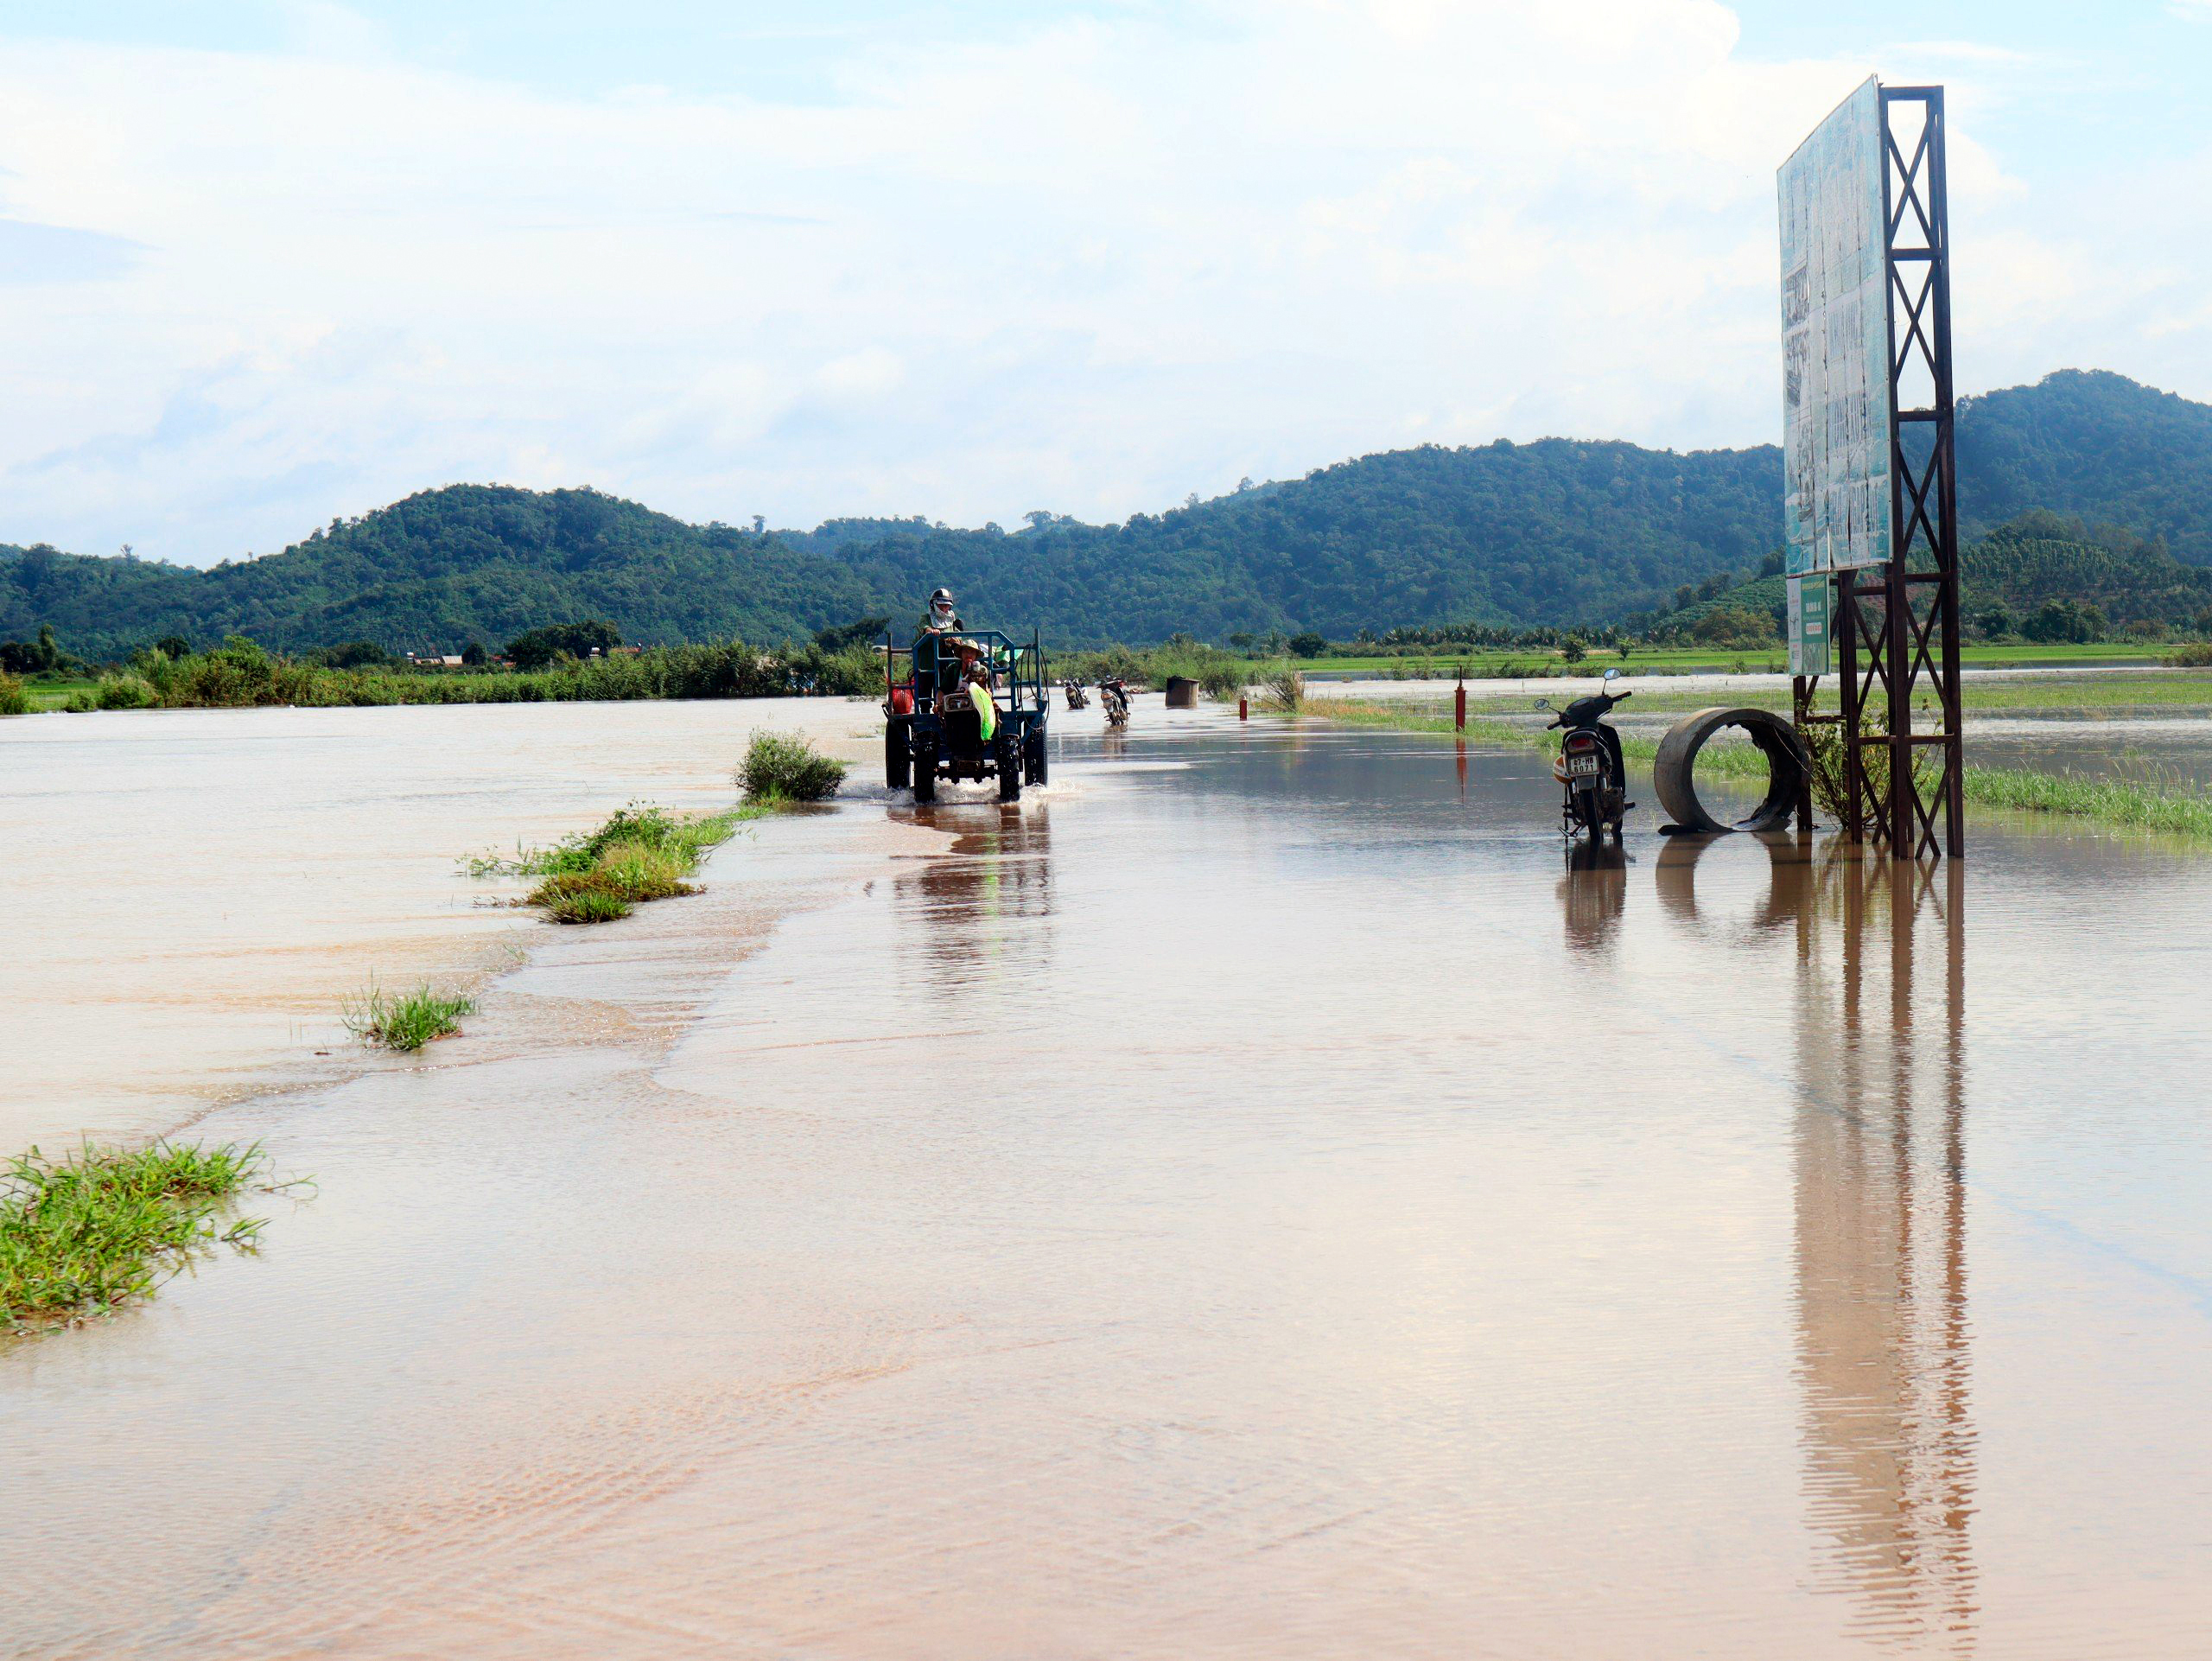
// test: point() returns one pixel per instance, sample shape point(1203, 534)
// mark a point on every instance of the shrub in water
point(781, 769)
point(128, 692)
point(1284, 688)
point(1224, 683)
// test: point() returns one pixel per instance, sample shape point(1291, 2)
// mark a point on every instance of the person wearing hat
point(976, 683)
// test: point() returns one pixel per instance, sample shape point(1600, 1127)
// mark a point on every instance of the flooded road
point(192, 895)
point(1256, 1198)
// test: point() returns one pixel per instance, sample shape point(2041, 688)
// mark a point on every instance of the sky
point(267, 264)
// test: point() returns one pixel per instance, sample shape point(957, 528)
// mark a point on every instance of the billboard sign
point(1835, 352)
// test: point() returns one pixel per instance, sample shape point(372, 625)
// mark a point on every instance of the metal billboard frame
point(1903, 626)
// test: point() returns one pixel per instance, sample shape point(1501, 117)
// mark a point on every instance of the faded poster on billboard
point(1836, 439)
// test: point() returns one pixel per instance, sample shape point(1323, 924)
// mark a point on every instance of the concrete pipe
point(1787, 765)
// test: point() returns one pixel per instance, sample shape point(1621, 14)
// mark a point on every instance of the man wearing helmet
point(941, 616)
point(960, 667)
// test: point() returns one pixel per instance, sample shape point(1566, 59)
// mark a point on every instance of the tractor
point(935, 726)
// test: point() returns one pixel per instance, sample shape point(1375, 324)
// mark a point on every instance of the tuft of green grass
point(407, 1021)
point(779, 769)
point(581, 900)
point(86, 1233)
point(640, 871)
point(14, 701)
point(626, 874)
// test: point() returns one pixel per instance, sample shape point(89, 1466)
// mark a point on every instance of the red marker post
point(1459, 706)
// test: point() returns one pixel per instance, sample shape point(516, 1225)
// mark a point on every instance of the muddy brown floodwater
point(1256, 1198)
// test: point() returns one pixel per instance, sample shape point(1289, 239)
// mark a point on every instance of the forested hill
point(1551, 532)
point(470, 562)
point(1559, 531)
point(2100, 447)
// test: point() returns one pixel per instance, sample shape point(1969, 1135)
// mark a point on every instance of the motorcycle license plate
point(1585, 766)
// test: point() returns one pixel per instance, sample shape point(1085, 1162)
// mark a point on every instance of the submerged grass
point(2169, 809)
point(406, 1020)
point(2164, 805)
point(641, 853)
point(84, 1234)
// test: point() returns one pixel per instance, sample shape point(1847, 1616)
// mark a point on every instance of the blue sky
point(264, 264)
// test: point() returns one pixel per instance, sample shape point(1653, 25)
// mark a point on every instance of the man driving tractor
point(966, 671)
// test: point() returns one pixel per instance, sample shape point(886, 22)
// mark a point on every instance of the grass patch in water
point(626, 874)
point(86, 1233)
point(406, 1020)
point(2168, 809)
point(640, 854)
point(577, 900)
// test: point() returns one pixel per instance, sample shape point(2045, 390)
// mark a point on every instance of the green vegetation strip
point(2167, 809)
point(84, 1234)
point(644, 853)
point(238, 674)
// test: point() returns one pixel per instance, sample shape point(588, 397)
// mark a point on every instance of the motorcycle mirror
point(1613, 674)
point(1543, 703)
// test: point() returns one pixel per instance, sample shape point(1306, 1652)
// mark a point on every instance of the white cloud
point(1090, 268)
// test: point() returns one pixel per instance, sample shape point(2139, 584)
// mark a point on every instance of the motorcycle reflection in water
point(1886, 1425)
point(1593, 893)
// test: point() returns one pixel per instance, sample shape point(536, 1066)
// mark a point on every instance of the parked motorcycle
point(1077, 697)
point(1114, 698)
point(1590, 770)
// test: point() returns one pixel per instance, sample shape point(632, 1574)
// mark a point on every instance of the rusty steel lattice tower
point(1896, 629)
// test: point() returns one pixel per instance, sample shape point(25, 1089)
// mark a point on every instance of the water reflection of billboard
point(1835, 350)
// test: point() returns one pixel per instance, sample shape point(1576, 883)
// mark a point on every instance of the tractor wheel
point(924, 770)
point(897, 757)
point(1009, 767)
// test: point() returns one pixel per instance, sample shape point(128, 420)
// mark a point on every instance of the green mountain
point(471, 562)
point(2095, 445)
point(1552, 532)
